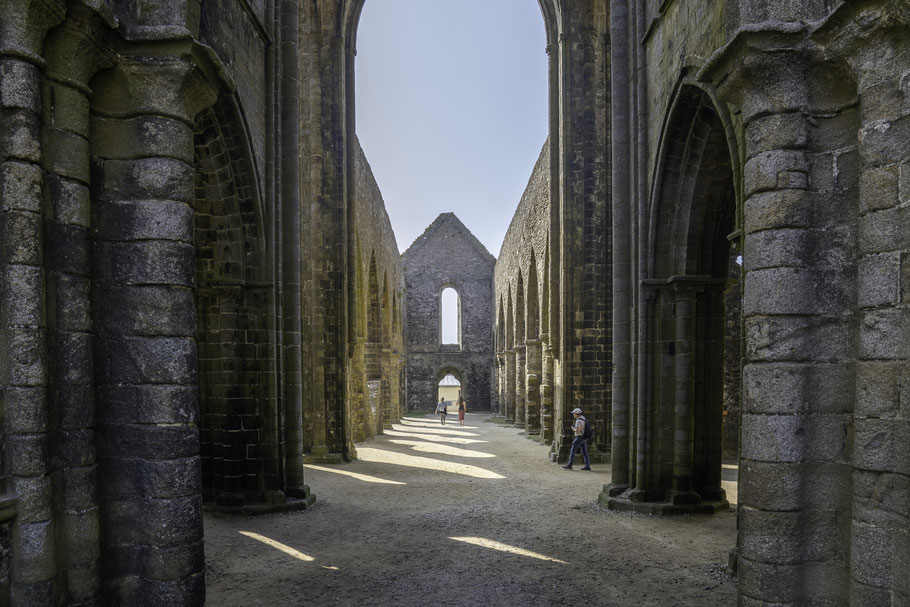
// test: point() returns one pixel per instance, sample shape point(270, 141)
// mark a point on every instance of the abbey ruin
point(201, 288)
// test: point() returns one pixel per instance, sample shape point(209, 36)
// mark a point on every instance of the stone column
point(546, 392)
point(684, 417)
point(144, 319)
point(509, 410)
point(23, 321)
point(521, 409)
point(799, 297)
point(533, 372)
point(73, 54)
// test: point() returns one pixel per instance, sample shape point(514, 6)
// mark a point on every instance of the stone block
point(795, 438)
point(134, 590)
point(883, 142)
point(882, 445)
point(787, 388)
point(144, 136)
point(878, 188)
point(879, 279)
point(24, 410)
point(160, 523)
point(788, 537)
point(33, 559)
point(27, 454)
point(778, 131)
point(148, 441)
point(813, 583)
point(70, 357)
point(20, 135)
point(776, 170)
point(797, 338)
point(884, 231)
point(871, 551)
point(25, 296)
point(150, 310)
point(21, 235)
point(20, 186)
point(124, 220)
point(70, 199)
point(884, 334)
point(147, 179)
point(778, 209)
point(67, 108)
point(795, 291)
point(67, 248)
point(148, 404)
point(74, 448)
point(66, 154)
point(145, 360)
point(34, 503)
point(19, 85)
point(154, 563)
point(778, 248)
point(80, 489)
point(793, 486)
point(163, 478)
point(877, 389)
point(162, 262)
point(881, 498)
point(27, 357)
point(80, 536)
point(69, 297)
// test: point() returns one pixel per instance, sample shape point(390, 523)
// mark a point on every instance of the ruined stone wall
point(448, 255)
point(377, 321)
point(523, 263)
point(143, 360)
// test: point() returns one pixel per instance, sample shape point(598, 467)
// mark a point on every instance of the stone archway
point(676, 455)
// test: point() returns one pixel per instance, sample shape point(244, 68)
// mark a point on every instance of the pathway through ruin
point(433, 515)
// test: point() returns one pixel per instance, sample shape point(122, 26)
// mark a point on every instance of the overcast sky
point(451, 109)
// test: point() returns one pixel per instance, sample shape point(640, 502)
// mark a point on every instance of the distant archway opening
point(449, 388)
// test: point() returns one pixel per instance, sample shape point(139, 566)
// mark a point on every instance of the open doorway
point(449, 389)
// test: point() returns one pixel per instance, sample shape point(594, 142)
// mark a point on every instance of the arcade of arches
point(201, 288)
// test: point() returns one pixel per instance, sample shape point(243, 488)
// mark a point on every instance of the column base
point(321, 455)
point(272, 501)
point(635, 500)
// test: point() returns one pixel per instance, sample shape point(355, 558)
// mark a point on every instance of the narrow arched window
point(451, 317)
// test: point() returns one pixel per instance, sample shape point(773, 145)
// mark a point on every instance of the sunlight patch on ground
point(361, 477)
point(732, 489)
point(278, 546)
point(431, 430)
point(413, 421)
point(432, 437)
point(730, 466)
point(425, 447)
point(494, 545)
point(380, 456)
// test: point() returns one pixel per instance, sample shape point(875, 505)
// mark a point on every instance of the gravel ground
point(464, 516)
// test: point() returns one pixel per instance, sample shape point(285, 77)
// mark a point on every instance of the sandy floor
point(433, 515)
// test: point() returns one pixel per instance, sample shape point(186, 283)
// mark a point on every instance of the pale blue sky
point(451, 109)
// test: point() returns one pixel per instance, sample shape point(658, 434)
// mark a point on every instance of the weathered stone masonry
point(448, 255)
point(199, 285)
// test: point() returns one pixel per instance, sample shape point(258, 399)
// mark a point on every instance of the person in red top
point(579, 442)
point(462, 408)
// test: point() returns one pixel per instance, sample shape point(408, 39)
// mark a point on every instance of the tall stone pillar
point(534, 367)
point(684, 414)
point(521, 405)
point(144, 319)
point(509, 410)
point(74, 53)
point(546, 392)
point(23, 320)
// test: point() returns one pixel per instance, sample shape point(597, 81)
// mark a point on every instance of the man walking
point(580, 442)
